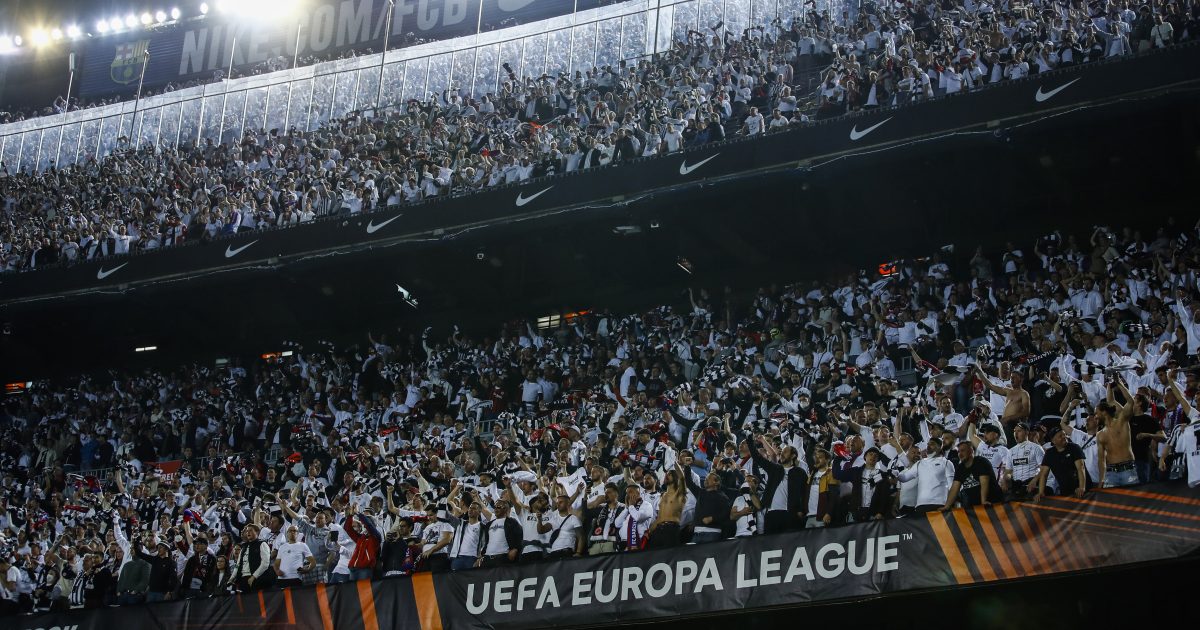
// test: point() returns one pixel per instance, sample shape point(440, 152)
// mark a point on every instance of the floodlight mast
point(387, 33)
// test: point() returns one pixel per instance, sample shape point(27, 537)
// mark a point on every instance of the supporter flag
point(192, 516)
point(89, 483)
point(295, 458)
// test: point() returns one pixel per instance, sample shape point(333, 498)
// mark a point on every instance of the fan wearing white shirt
point(293, 558)
point(934, 474)
point(565, 540)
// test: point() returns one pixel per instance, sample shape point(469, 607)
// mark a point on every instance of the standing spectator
point(133, 582)
point(786, 494)
point(501, 537)
point(934, 475)
point(974, 480)
point(436, 537)
point(163, 579)
point(713, 509)
point(871, 486)
point(252, 570)
point(362, 530)
point(293, 558)
point(566, 538)
point(1066, 461)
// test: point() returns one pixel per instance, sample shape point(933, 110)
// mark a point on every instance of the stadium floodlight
point(147, 18)
point(115, 24)
point(102, 26)
point(175, 13)
point(17, 41)
point(56, 34)
point(6, 43)
point(39, 37)
point(74, 32)
point(203, 8)
point(160, 17)
point(131, 20)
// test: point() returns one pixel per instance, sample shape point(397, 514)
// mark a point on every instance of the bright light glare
point(147, 18)
point(74, 32)
point(131, 20)
point(115, 24)
point(6, 43)
point(263, 9)
point(102, 26)
point(160, 17)
point(17, 41)
point(39, 37)
point(203, 8)
point(56, 34)
point(175, 13)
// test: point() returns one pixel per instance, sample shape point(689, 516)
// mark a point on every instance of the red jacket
point(366, 545)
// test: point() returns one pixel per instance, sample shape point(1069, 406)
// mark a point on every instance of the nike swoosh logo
point(1045, 96)
point(684, 169)
point(513, 5)
point(855, 134)
point(102, 274)
point(372, 228)
point(522, 199)
point(230, 252)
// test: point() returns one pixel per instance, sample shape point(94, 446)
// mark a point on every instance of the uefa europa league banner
point(965, 546)
point(961, 547)
point(112, 64)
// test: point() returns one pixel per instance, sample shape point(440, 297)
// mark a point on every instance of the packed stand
point(709, 86)
point(146, 199)
point(62, 105)
point(893, 53)
point(1058, 367)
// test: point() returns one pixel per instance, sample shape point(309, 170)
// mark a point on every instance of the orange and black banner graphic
point(1061, 534)
point(936, 550)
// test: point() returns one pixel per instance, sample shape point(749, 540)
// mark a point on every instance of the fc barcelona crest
point(125, 65)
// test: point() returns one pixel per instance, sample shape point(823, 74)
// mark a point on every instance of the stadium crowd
point(709, 86)
point(62, 105)
point(1058, 366)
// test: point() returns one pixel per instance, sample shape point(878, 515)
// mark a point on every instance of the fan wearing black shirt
point(1147, 433)
point(1066, 460)
point(974, 480)
point(1047, 396)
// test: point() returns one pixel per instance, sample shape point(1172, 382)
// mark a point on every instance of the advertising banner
point(965, 546)
point(935, 550)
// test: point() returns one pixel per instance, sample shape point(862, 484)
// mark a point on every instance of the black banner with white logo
point(1050, 98)
point(936, 550)
point(747, 573)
